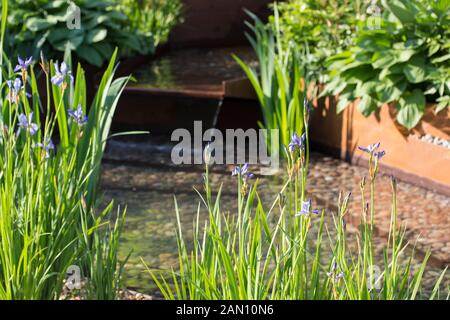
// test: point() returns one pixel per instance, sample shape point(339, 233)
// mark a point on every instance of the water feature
point(140, 176)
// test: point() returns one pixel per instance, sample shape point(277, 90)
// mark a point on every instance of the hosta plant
point(406, 62)
point(52, 27)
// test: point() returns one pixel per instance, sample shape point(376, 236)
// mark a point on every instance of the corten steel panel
point(163, 114)
point(239, 114)
point(216, 22)
point(407, 157)
point(200, 72)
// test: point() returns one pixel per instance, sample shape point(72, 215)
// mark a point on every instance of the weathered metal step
point(196, 72)
point(181, 86)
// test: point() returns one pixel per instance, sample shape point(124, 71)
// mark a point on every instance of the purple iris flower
point(23, 64)
point(14, 89)
point(61, 74)
point(27, 124)
point(47, 146)
point(380, 154)
point(306, 209)
point(17, 85)
point(333, 274)
point(306, 103)
point(296, 142)
point(243, 171)
point(78, 115)
point(370, 148)
point(307, 106)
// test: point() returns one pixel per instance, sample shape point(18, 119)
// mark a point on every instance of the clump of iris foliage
point(50, 156)
point(277, 252)
point(378, 52)
point(43, 25)
point(153, 18)
point(277, 81)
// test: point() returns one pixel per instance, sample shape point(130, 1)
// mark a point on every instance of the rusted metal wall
point(407, 157)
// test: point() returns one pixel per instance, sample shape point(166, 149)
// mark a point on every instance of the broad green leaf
point(433, 49)
point(401, 11)
point(104, 48)
point(55, 18)
point(37, 24)
point(61, 34)
point(96, 35)
point(342, 104)
point(97, 4)
point(367, 106)
point(405, 55)
point(117, 15)
point(411, 108)
point(55, 4)
point(415, 70)
point(91, 55)
point(365, 88)
point(374, 41)
point(94, 21)
point(390, 92)
point(441, 59)
point(443, 102)
point(71, 43)
point(383, 59)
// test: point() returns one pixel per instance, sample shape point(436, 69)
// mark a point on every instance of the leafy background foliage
point(321, 28)
point(104, 25)
point(152, 18)
point(405, 62)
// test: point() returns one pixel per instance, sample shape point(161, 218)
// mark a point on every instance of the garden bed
point(418, 156)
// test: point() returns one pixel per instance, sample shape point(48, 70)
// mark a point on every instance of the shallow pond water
point(193, 69)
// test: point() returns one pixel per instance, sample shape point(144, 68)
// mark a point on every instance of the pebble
point(434, 140)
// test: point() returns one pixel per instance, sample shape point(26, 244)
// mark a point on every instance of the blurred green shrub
point(405, 61)
point(36, 25)
point(321, 28)
point(152, 18)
